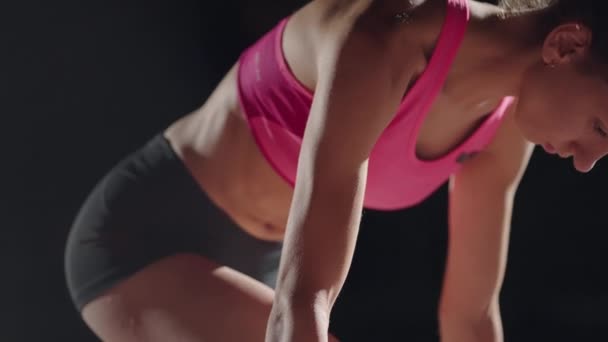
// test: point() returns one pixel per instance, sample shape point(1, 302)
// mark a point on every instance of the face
point(564, 99)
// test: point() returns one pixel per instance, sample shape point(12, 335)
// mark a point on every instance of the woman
point(371, 104)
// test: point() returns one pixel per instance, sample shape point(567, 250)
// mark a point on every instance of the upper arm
point(355, 98)
point(481, 200)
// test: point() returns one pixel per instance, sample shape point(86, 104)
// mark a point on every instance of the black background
point(85, 82)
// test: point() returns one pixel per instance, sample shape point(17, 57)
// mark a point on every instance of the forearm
point(488, 329)
point(317, 251)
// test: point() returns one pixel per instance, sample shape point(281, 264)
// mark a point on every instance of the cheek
point(542, 123)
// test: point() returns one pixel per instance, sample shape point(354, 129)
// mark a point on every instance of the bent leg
point(182, 298)
point(138, 258)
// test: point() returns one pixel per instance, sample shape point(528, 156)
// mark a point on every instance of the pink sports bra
point(277, 105)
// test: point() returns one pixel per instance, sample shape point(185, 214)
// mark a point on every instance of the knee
point(112, 320)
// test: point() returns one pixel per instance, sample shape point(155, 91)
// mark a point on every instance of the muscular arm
point(356, 97)
point(481, 201)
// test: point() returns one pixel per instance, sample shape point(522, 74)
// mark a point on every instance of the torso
point(218, 148)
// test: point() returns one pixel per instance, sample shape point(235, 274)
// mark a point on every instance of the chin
point(525, 129)
point(532, 138)
point(532, 135)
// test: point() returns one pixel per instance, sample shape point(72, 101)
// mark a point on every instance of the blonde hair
point(588, 12)
point(523, 5)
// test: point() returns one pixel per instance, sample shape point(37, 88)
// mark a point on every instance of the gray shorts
point(149, 207)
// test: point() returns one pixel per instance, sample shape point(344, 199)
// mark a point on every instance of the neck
point(500, 47)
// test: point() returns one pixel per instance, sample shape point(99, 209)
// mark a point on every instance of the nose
point(583, 166)
point(584, 161)
point(584, 157)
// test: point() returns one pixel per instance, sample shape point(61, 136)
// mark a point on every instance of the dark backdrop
point(85, 82)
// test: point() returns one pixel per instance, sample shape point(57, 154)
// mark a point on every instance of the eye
point(597, 127)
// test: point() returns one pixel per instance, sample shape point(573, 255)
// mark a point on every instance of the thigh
point(183, 297)
point(143, 258)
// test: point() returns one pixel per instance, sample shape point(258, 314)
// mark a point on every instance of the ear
point(567, 43)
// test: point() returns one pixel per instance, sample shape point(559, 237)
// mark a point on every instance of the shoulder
point(373, 17)
point(369, 33)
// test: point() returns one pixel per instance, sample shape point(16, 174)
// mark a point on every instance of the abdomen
point(217, 146)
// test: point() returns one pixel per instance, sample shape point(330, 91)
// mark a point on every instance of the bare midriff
point(217, 147)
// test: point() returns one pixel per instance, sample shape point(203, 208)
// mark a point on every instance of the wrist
point(297, 320)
